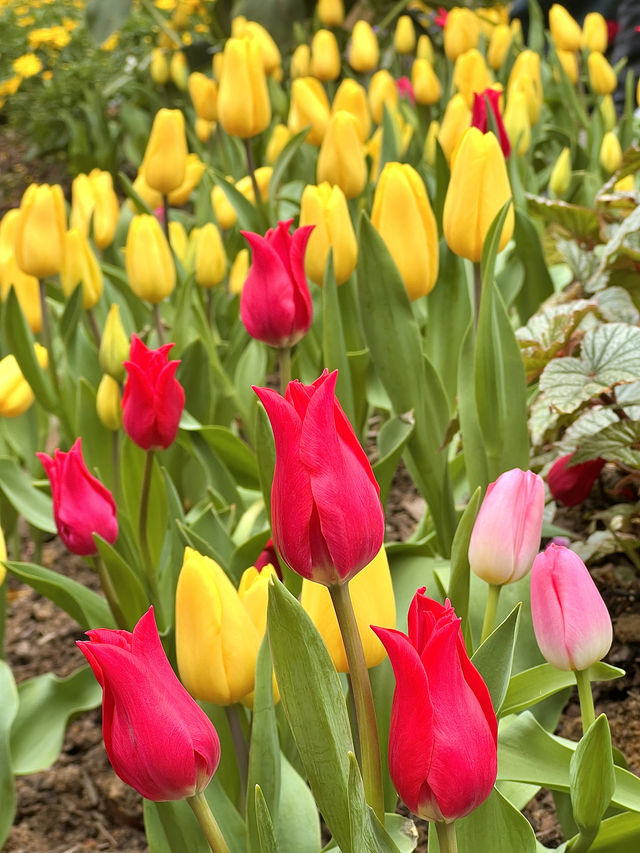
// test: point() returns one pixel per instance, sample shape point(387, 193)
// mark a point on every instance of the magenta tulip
point(157, 738)
point(443, 736)
point(153, 398)
point(570, 620)
point(570, 485)
point(482, 103)
point(275, 304)
point(82, 506)
point(326, 514)
point(506, 534)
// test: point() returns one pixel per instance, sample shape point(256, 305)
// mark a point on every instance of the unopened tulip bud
point(404, 37)
point(424, 49)
point(280, 135)
point(114, 345)
point(430, 143)
point(570, 485)
point(204, 95)
point(301, 62)
point(352, 97)
point(461, 32)
point(561, 174)
point(525, 76)
point(565, 30)
point(244, 108)
point(341, 159)
point(456, 119)
point(516, 122)
point(594, 32)
point(364, 52)
point(610, 153)
point(108, 405)
point(165, 158)
point(40, 230)
point(210, 257)
point(159, 67)
point(426, 86)
point(239, 271)
point(325, 56)
point(80, 266)
point(204, 128)
point(325, 207)
point(470, 74)
point(486, 104)
point(382, 92)
point(309, 106)
point(330, 12)
point(602, 77)
point(499, 45)
point(148, 260)
point(570, 620)
point(179, 70)
point(15, 392)
point(569, 61)
point(608, 112)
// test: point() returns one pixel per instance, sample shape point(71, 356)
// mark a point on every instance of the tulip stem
point(93, 325)
point(477, 293)
point(157, 319)
point(165, 218)
point(46, 334)
point(110, 592)
point(586, 698)
point(393, 13)
point(446, 836)
point(208, 823)
point(284, 359)
point(264, 221)
point(142, 526)
point(240, 747)
point(490, 610)
point(3, 615)
point(363, 698)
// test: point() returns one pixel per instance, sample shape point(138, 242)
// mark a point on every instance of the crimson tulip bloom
point(443, 736)
point(570, 485)
point(153, 398)
point(82, 506)
point(326, 513)
point(275, 304)
point(490, 98)
point(157, 738)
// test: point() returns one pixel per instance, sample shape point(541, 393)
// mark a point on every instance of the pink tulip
point(571, 621)
point(570, 485)
point(157, 738)
point(506, 534)
point(443, 737)
point(275, 305)
point(153, 398)
point(480, 116)
point(82, 506)
point(326, 514)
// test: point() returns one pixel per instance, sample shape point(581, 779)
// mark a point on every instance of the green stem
point(110, 593)
point(48, 341)
point(157, 319)
point(489, 621)
point(165, 217)
point(446, 836)
point(3, 615)
point(115, 461)
point(586, 698)
point(262, 215)
point(477, 293)
point(142, 525)
point(284, 359)
point(393, 13)
point(363, 698)
point(208, 823)
point(240, 747)
point(93, 325)
point(583, 842)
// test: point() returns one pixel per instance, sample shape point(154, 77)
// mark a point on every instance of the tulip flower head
point(153, 398)
point(489, 102)
point(569, 484)
point(275, 304)
point(82, 506)
point(443, 736)
point(326, 513)
point(157, 738)
point(570, 620)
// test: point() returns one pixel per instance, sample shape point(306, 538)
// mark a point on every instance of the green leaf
point(46, 704)
point(391, 441)
point(389, 145)
point(8, 710)
point(458, 591)
point(266, 832)
point(320, 727)
point(97, 440)
point(71, 316)
point(283, 160)
point(619, 834)
point(88, 608)
point(298, 824)
point(250, 370)
point(591, 778)
point(494, 658)
point(30, 502)
point(132, 463)
point(132, 598)
point(531, 686)
point(475, 455)
point(104, 18)
point(403, 832)
point(234, 453)
point(495, 827)
point(194, 374)
point(537, 285)
point(610, 355)
point(245, 211)
point(20, 342)
point(581, 222)
point(333, 343)
point(266, 453)
point(617, 442)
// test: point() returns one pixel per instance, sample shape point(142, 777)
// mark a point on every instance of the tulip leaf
point(97, 440)
point(130, 592)
point(391, 440)
point(531, 686)
point(104, 18)
point(251, 369)
point(46, 704)
point(30, 502)
point(537, 285)
point(333, 343)
point(71, 316)
point(458, 589)
point(237, 457)
point(591, 777)
point(494, 658)
point(247, 214)
point(618, 834)
point(20, 342)
point(265, 828)
point(139, 203)
point(8, 711)
point(283, 160)
point(475, 455)
point(266, 453)
point(320, 727)
point(298, 824)
point(132, 464)
point(88, 608)
point(194, 374)
point(171, 827)
point(389, 144)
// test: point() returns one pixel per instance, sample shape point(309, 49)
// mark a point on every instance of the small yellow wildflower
point(27, 65)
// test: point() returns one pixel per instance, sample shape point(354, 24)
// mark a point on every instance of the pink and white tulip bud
point(506, 534)
point(570, 620)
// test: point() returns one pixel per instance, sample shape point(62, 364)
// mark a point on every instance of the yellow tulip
point(253, 592)
point(194, 169)
point(426, 86)
point(526, 87)
point(404, 37)
point(239, 271)
point(352, 97)
point(40, 229)
point(217, 66)
point(159, 67)
point(309, 106)
point(525, 75)
point(94, 206)
point(341, 158)
point(430, 143)
point(216, 641)
point(602, 77)
point(516, 122)
point(569, 62)
point(148, 260)
point(565, 30)
point(225, 214)
point(80, 266)
point(424, 50)
point(8, 225)
point(383, 91)
point(470, 74)
point(152, 198)
point(204, 95)
point(269, 52)
point(114, 345)
point(364, 52)
point(204, 128)
point(373, 604)
point(625, 185)
point(461, 32)
point(301, 62)
point(179, 70)
point(108, 403)
point(326, 208)
point(15, 392)
point(403, 217)
point(594, 32)
point(165, 158)
point(178, 239)
point(478, 188)
point(608, 112)
point(210, 257)
point(561, 174)
point(499, 45)
point(244, 108)
point(280, 135)
point(325, 56)
point(27, 290)
point(456, 119)
point(330, 12)
point(610, 153)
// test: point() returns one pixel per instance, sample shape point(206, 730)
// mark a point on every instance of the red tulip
point(157, 738)
point(82, 506)
point(268, 557)
point(326, 514)
point(571, 484)
point(405, 89)
point(480, 116)
point(153, 398)
point(443, 737)
point(275, 305)
point(570, 620)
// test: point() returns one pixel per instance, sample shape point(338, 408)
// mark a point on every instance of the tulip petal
point(168, 404)
point(267, 306)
